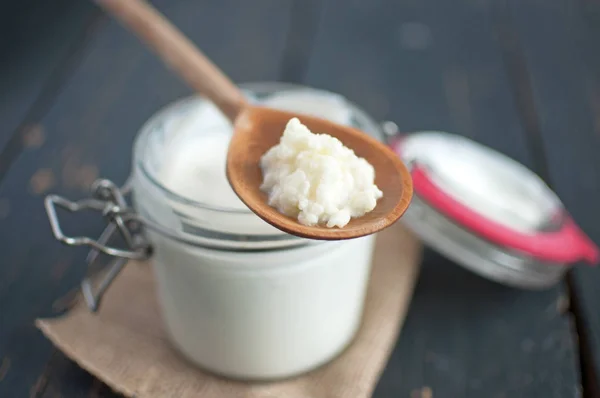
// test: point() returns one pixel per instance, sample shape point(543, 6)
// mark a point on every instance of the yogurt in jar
point(239, 297)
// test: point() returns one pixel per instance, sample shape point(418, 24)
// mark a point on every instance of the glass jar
point(239, 297)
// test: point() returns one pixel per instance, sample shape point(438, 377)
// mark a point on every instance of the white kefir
point(314, 178)
point(238, 296)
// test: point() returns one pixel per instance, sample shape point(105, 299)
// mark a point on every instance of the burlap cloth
point(125, 345)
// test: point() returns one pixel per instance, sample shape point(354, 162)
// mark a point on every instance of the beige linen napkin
point(125, 345)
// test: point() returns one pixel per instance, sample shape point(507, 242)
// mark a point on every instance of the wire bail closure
point(109, 200)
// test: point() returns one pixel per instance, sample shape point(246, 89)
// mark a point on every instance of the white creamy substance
point(316, 179)
point(250, 315)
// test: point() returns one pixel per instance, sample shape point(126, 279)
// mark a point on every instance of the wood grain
point(438, 65)
point(560, 42)
point(178, 52)
point(35, 42)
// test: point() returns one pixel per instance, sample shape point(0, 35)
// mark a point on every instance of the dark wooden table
point(522, 76)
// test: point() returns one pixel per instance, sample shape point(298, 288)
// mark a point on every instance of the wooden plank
point(64, 378)
point(36, 37)
point(305, 16)
point(467, 337)
point(438, 65)
point(409, 62)
point(561, 41)
point(89, 130)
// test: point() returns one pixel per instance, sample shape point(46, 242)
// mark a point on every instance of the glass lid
point(493, 197)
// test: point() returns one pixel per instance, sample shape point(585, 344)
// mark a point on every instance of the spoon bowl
point(257, 129)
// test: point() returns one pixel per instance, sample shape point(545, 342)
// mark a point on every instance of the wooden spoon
point(256, 129)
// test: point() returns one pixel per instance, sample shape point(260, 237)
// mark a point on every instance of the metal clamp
point(108, 199)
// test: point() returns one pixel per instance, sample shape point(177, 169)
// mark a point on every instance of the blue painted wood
point(440, 65)
point(560, 41)
point(35, 38)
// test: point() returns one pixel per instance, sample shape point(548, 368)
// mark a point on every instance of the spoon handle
point(178, 52)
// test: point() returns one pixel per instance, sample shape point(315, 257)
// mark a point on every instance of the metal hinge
point(108, 199)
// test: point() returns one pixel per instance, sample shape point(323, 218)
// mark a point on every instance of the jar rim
point(150, 126)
